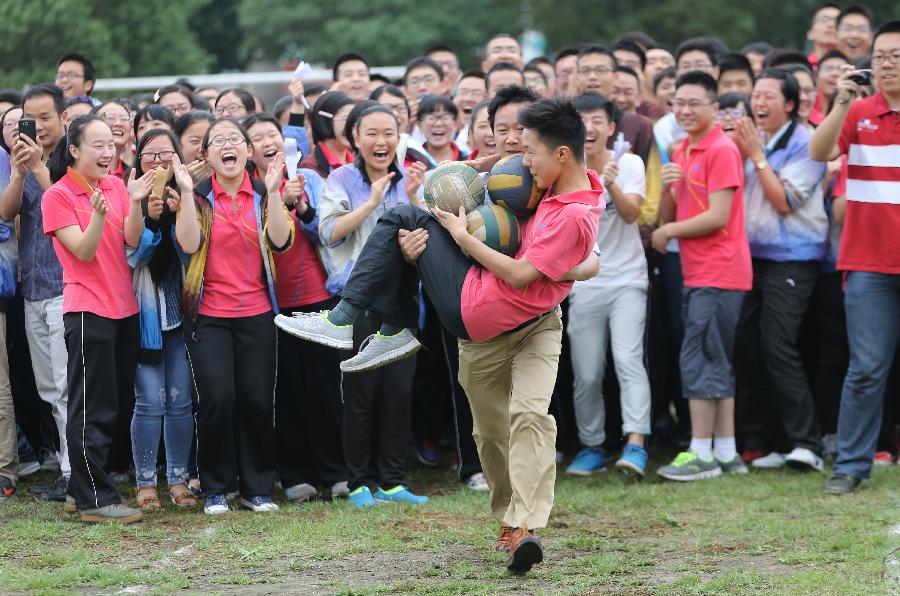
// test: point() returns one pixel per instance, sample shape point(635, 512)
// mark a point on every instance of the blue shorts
point(707, 353)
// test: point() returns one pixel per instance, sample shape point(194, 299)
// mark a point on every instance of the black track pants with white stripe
point(102, 361)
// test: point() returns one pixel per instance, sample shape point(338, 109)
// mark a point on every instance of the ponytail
point(61, 158)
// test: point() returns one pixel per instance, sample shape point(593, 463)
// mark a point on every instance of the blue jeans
point(163, 398)
point(873, 326)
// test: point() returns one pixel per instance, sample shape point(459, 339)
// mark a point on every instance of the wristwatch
point(762, 165)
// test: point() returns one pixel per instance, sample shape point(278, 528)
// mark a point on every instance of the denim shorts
point(707, 353)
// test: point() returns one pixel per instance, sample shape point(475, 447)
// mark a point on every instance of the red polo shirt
point(102, 286)
point(560, 234)
point(871, 139)
point(233, 281)
point(721, 259)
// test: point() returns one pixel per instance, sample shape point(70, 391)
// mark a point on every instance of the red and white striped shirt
point(871, 139)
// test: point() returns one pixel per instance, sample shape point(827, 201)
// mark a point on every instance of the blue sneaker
point(361, 497)
point(215, 505)
point(259, 504)
point(633, 460)
point(589, 460)
point(399, 494)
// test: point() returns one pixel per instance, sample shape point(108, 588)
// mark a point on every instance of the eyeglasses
point(230, 109)
point(179, 108)
point(834, 69)
point(476, 94)
point(735, 113)
point(808, 90)
point(151, 156)
point(423, 80)
point(497, 50)
point(824, 20)
point(689, 66)
point(445, 118)
point(111, 119)
point(11, 124)
point(861, 29)
point(893, 58)
point(68, 74)
point(398, 108)
point(680, 104)
point(233, 139)
point(599, 70)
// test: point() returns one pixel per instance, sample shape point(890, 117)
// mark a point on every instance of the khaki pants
point(9, 453)
point(508, 381)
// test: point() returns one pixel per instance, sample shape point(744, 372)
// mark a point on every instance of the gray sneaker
point(118, 513)
point(378, 350)
point(339, 490)
point(317, 328)
point(689, 466)
point(300, 493)
point(841, 484)
point(735, 466)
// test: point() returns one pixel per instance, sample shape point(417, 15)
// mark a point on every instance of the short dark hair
point(321, 125)
point(509, 95)
point(640, 38)
point(46, 89)
point(89, 72)
point(781, 57)
point(795, 68)
point(481, 105)
point(282, 105)
point(790, 88)
point(419, 62)
point(360, 111)
point(259, 118)
point(627, 45)
point(735, 62)
point(757, 47)
point(556, 123)
point(475, 73)
point(730, 100)
point(149, 136)
point(247, 99)
point(630, 72)
point(186, 120)
point(888, 27)
point(501, 66)
point(593, 102)
point(11, 96)
point(595, 49)
point(666, 73)
point(566, 52)
point(696, 45)
point(439, 47)
point(539, 60)
point(167, 89)
point(698, 77)
point(860, 9)
point(378, 77)
point(153, 111)
point(833, 55)
point(71, 101)
point(435, 103)
point(347, 57)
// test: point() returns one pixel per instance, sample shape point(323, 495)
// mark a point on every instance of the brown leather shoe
point(526, 551)
point(504, 540)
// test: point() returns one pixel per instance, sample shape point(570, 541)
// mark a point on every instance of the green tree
point(384, 31)
point(149, 37)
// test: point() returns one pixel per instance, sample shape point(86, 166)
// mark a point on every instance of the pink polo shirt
point(721, 259)
point(233, 281)
point(102, 286)
point(560, 234)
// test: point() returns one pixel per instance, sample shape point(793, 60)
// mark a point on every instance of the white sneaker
point(259, 504)
point(339, 490)
point(378, 350)
point(317, 328)
point(802, 458)
point(477, 482)
point(28, 468)
point(770, 462)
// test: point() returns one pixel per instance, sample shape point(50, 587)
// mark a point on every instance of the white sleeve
point(632, 178)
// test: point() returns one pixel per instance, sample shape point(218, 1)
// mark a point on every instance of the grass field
point(773, 533)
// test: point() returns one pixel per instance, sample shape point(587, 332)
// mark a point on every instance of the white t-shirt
point(622, 259)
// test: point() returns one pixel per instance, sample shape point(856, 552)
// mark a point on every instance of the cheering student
point(231, 228)
point(505, 312)
point(89, 214)
point(117, 114)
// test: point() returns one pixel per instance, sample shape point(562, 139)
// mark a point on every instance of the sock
point(702, 447)
point(345, 313)
point(388, 329)
point(725, 448)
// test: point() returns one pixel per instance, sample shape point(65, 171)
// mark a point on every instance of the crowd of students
point(746, 308)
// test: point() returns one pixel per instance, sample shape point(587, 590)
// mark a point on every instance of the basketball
point(497, 227)
point(454, 185)
point(510, 184)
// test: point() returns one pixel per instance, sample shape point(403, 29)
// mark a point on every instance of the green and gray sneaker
point(735, 466)
point(378, 350)
point(688, 466)
point(315, 327)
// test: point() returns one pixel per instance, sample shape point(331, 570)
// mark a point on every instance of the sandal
point(148, 498)
point(182, 496)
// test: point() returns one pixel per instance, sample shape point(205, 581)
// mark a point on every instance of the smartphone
point(862, 77)
point(28, 128)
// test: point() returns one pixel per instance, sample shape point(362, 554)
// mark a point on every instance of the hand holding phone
point(28, 127)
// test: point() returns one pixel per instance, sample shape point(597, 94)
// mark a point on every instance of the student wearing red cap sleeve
point(88, 213)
